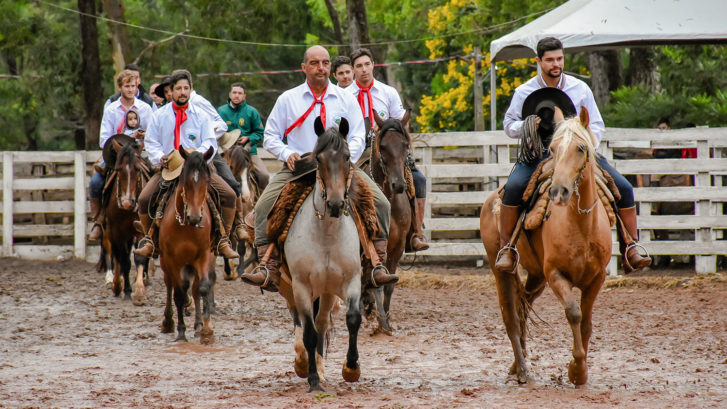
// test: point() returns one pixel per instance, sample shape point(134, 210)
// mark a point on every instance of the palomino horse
point(570, 249)
point(322, 254)
point(388, 170)
point(252, 185)
point(128, 177)
point(185, 247)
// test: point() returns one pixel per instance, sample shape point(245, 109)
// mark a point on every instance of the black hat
point(542, 103)
point(159, 90)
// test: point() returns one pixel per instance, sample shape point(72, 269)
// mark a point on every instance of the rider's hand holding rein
point(164, 162)
point(291, 160)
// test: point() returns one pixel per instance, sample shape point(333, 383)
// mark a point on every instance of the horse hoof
point(207, 338)
point(351, 375)
point(381, 330)
point(315, 388)
point(167, 327)
point(577, 374)
point(181, 338)
point(127, 296)
point(231, 277)
point(301, 367)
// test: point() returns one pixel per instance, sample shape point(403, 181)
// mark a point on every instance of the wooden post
point(7, 204)
point(704, 263)
point(493, 96)
point(79, 205)
point(479, 114)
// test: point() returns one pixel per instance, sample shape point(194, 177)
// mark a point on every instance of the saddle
point(538, 201)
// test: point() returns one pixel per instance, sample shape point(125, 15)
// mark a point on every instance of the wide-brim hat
point(228, 139)
point(159, 90)
point(542, 103)
point(175, 163)
point(109, 153)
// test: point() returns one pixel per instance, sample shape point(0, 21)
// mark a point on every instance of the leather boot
point(380, 275)
point(224, 247)
point(146, 245)
point(259, 276)
point(632, 260)
point(418, 240)
point(97, 219)
point(506, 257)
point(239, 219)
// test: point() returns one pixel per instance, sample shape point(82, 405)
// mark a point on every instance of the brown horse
point(184, 243)
point(388, 170)
point(570, 249)
point(127, 178)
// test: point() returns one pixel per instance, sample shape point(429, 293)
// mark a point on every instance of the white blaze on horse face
point(128, 181)
point(195, 176)
point(245, 186)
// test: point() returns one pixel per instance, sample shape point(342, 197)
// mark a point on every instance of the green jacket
point(247, 120)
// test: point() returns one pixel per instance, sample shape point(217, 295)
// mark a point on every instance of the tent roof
point(601, 24)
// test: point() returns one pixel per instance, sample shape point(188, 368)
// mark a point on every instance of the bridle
point(322, 185)
point(577, 181)
point(140, 178)
point(181, 219)
point(376, 146)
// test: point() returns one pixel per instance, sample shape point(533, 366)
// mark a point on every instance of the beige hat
point(228, 139)
point(175, 163)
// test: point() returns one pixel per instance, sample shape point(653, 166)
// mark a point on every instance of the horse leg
point(142, 265)
point(168, 322)
point(189, 277)
point(351, 370)
point(117, 260)
point(304, 304)
point(381, 317)
point(508, 295)
point(388, 293)
point(180, 298)
point(588, 298)
point(212, 274)
point(109, 265)
point(125, 269)
point(563, 289)
point(323, 317)
point(206, 290)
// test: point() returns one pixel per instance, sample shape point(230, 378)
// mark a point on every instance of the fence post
point(7, 204)
point(79, 205)
point(704, 263)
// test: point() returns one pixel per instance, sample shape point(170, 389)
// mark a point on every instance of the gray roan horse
point(322, 254)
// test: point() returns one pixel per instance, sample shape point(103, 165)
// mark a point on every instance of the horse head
point(240, 161)
point(194, 180)
point(334, 168)
point(572, 149)
point(391, 148)
point(128, 185)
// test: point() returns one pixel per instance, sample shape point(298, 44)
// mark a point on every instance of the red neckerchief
point(122, 124)
point(298, 122)
point(361, 101)
point(181, 115)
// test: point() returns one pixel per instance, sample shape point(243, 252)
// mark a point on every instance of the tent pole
point(493, 97)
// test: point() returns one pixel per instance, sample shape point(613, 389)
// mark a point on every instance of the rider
point(550, 74)
point(112, 123)
point(182, 124)
point(376, 96)
point(342, 71)
point(289, 133)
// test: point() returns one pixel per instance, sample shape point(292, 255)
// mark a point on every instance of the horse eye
point(582, 148)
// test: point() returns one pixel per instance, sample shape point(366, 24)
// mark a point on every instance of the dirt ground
point(65, 341)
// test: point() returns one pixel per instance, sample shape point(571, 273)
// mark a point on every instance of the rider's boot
point(632, 260)
point(270, 279)
point(97, 219)
point(506, 257)
point(418, 240)
point(146, 244)
point(380, 275)
point(224, 247)
point(240, 229)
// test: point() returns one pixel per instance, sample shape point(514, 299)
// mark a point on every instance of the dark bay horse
point(128, 173)
point(570, 250)
point(322, 254)
point(388, 170)
point(185, 253)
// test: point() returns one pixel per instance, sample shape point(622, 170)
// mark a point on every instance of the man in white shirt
point(292, 120)
point(342, 71)
point(550, 75)
point(375, 96)
point(114, 122)
point(181, 125)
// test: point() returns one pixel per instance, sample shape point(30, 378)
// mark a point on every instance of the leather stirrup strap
point(368, 245)
point(518, 228)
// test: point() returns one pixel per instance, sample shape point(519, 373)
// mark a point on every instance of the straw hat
point(175, 163)
point(228, 139)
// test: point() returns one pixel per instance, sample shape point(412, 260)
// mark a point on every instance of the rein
point(141, 178)
point(183, 217)
point(577, 181)
point(320, 215)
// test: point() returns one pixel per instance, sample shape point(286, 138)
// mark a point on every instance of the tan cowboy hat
point(175, 163)
point(228, 139)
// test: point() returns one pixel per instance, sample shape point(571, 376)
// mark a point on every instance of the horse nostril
point(335, 206)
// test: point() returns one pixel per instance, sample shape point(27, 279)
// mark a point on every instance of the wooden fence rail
point(462, 168)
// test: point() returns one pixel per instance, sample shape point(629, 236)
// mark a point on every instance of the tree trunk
point(605, 67)
point(337, 31)
point(358, 26)
point(119, 42)
point(93, 98)
point(29, 120)
point(642, 69)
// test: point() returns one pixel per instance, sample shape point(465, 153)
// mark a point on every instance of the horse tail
point(525, 307)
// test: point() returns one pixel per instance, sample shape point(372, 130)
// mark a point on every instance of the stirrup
point(254, 270)
point(514, 250)
point(142, 243)
point(636, 244)
point(380, 266)
point(223, 240)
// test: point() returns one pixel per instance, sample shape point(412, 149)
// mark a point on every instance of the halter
point(320, 215)
point(182, 218)
point(141, 177)
point(382, 165)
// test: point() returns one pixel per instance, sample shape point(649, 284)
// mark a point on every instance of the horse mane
point(392, 124)
point(330, 139)
point(572, 128)
point(237, 157)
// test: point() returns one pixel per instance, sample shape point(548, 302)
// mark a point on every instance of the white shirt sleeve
point(218, 124)
point(512, 121)
point(275, 131)
point(208, 136)
point(108, 128)
point(396, 108)
point(596, 121)
point(152, 141)
point(356, 129)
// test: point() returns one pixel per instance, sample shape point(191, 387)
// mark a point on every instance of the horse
point(185, 247)
point(130, 174)
point(252, 185)
point(570, 249)
point(388, 170)
point(322, 254)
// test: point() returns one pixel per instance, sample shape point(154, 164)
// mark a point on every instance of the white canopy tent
point(592, 25)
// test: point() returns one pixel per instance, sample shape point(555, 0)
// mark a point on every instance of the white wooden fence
point(461, 168)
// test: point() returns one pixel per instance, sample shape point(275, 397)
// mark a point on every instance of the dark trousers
point(223, 169)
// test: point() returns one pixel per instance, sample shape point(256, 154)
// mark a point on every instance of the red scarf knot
point(316, 100)
point(181, 115)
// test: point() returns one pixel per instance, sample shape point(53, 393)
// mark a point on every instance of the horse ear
point(117, 145)
point(584, 117)
point(319, 126)
point(210, 152)
point(183, 152)
point(407, 116)
point(378, 119)
point(343, 127)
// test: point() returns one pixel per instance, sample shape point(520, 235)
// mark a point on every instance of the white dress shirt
point(115, 115)
point(293, 103)
point(218, 124)
point(577, 90)
point(194, 133)
point(387, 102)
